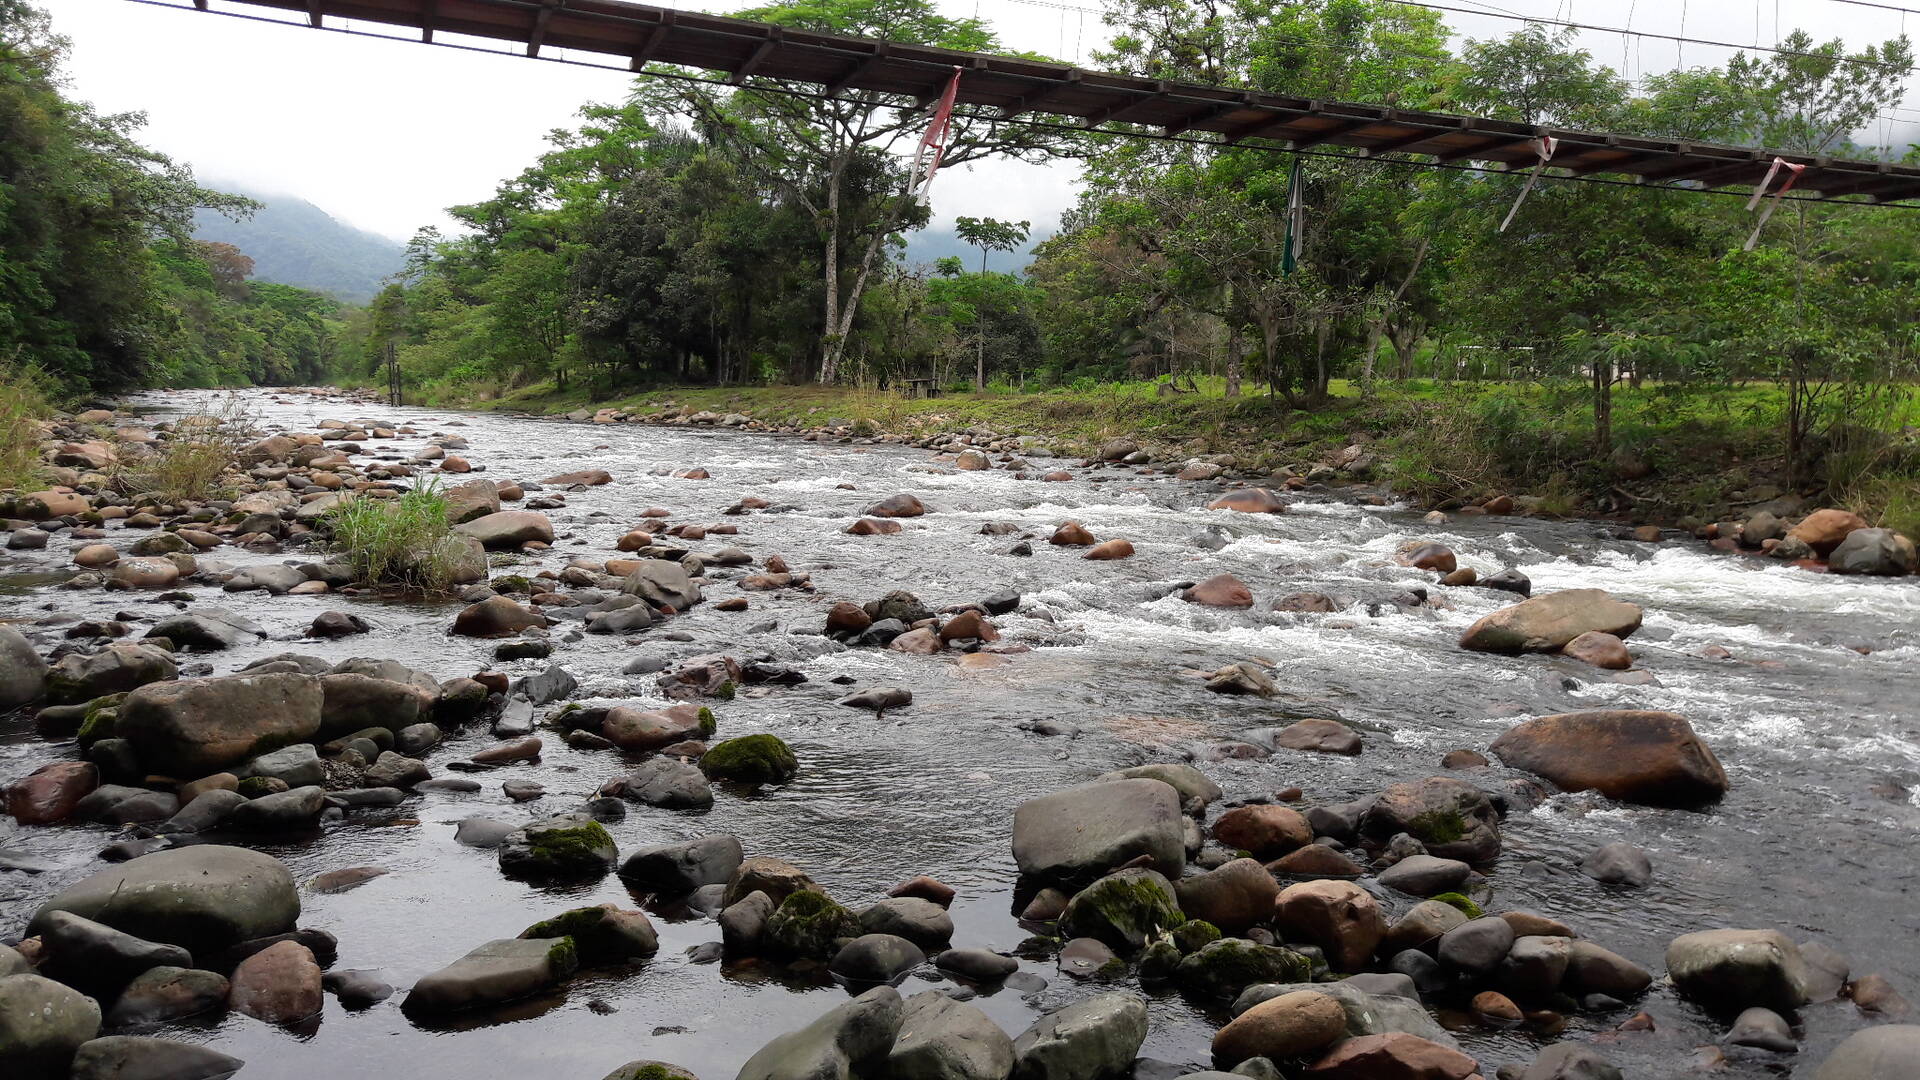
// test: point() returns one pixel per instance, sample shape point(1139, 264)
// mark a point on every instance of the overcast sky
point(385, 133)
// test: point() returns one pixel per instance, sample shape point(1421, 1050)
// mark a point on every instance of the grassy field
point(1680, 450)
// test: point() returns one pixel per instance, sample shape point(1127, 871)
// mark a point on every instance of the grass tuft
point(192, 463)
point(23, 405)
point(403, 541)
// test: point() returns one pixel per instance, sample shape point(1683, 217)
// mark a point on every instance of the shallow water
point(1822, 742)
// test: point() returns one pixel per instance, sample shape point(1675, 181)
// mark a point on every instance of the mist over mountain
point(294, 242)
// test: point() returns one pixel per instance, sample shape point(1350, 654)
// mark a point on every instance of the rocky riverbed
point(731, 760)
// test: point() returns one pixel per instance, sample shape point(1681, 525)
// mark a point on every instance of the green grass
point(401, 541)
point(24, 403)
point(192, 463)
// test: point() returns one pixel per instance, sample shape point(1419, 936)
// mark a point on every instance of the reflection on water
point(1822, 741)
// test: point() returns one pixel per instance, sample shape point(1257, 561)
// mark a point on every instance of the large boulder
point(352, 702)
point(496, 616)
point(1190, 782)
point(944, 1039)
point(50, 793)
point(1126, 910)
point(662, 584)
point(210, 629)
point(850, 1040)
point(1339, 916)
point(1546, 623)
point(1235, 897)
point(678, 869)
point(1080, 833)
point(652, 729)
point(96, 958)
point(23, 674)
point(508, 529)
point(134, 1057)
point(1222, 969)
point(1088, 1040)
point(495, 972)
point(1730, 970)
point(194, 727)
point(1285, 1026)
point(1249, 501)
point(471, 500)
point(115, 669)
point(1889, 1052)
point(569, 847)
point(1454, 819)
point(1643, 757)
point(203, 898)
point(280, 984)
point(42, 1025)
point(1823, 530)
point(1873, 551)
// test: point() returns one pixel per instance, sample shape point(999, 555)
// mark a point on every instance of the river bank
point(1033, 671)
point(1682, 459)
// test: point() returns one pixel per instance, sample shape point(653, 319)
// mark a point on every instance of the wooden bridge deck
point(644, 34)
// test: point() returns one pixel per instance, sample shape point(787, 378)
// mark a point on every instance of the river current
point(1816, 718)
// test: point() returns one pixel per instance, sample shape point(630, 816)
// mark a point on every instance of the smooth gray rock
point(881, 958)
point(676, 869)
point(495, 972)
point(944, 1039)
point(1534, 966)
point(922, 922)
point(1476, 947)
point(1190, 782)
point(980, 965)
point(669, 783)
point(286, 811)
point(1087, 1040)
point(195, 727)
point(160, 994)
point(1571, 1061)
point(1762, 1028)
point(1367, 1013)
point(207, 811)
point(744, 922)
point(1887, 1052)
point(97, 959)
point(662, 584)
point(130, 1057)
point(1425, 875)
point(1080, 833)
point(202, 898)
point(297, 765)
point(483, 832)
point(42, 1024)
point(23, 674)
point(1618, 863)
point(115, 669)
point(1729, 970)
point(210, 629)
point(850, 1040)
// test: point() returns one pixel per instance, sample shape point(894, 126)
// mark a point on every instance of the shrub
point(405, 541)
point(198, 452)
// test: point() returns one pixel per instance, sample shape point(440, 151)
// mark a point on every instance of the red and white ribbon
point(1773, 170)
point(933, 145)
point(1543, 146)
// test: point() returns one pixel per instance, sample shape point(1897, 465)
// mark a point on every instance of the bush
point(23, 404)
point(403, 541)
point(199, 450)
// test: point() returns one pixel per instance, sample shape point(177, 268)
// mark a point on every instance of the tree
point(838, 158)
point(988, 234)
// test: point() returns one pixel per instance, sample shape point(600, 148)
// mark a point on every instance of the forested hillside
point(102, 285)
point(293, 242)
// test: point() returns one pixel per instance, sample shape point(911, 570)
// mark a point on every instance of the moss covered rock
point(603, 935)
point(1462, 903)
point(561, 847)
point(1126, 910)
point(808, 925)
point(1195, 934)
point(751, 759)
point(1223, 968)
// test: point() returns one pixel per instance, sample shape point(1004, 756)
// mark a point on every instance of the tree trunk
point(1602, 406)
point(1233, 361)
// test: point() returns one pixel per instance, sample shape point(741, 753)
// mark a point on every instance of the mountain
point(294, 242)
point(928, 245)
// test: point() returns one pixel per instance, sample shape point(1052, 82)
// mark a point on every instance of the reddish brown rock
point(1546, 623)
point(1314, 733)
point(873, 527)
point(49, 793)
point(968, 624)
point(1600, 650)
point(1291, 1025)
point(1499, 504)
point(1465, 575)
point(897, 506)
point(1339, 916)
point(1315, 861)
point(1249, 501)
point(496, 616)
point(1495, 1009)
point(1644, 757)
point(924, 888)
point(1072, 534)
point(1318, 603)
point(280, 984)
point(1222, 591)
point(589, 477)
point(1395, 1055)
point(527, 749)
point(1265, 831)
point(921, 642)
point(1823, 530)
point(1427, 556)
point(1110, 550)
point(847, 617)
point(651, 729)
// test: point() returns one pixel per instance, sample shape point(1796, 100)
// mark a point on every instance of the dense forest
point(102, 286)
point(705, 233)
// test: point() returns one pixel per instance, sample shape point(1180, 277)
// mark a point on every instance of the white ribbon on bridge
point(1543, 146)
point(1773, 170)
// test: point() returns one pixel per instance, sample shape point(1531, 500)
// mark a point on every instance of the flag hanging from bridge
point(933, 145)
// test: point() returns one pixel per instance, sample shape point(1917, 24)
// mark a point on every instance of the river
point(1816, 718)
